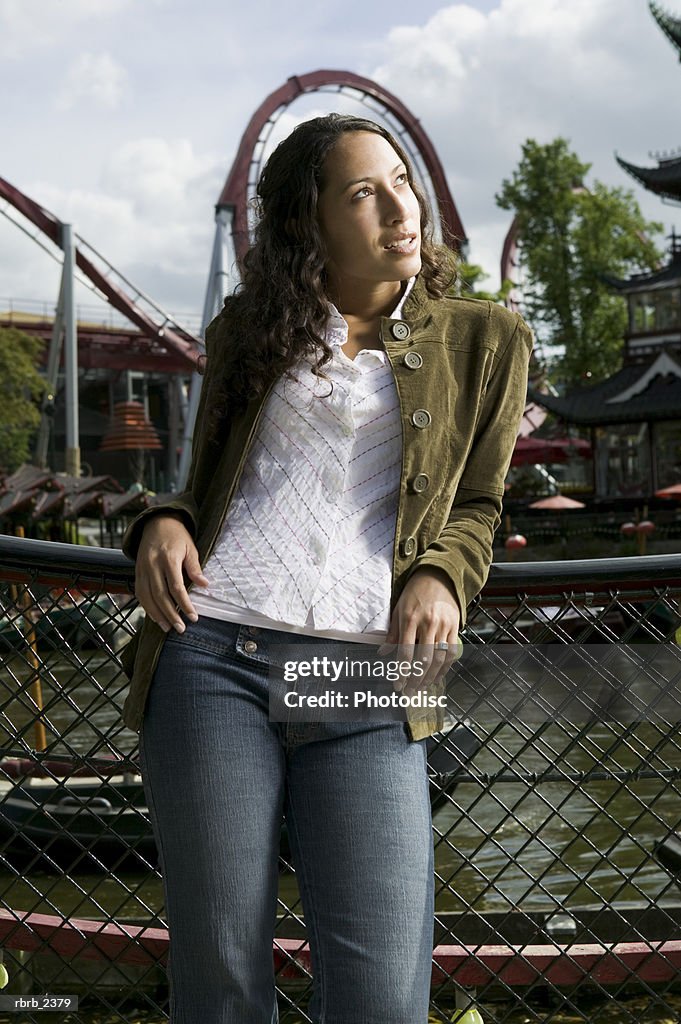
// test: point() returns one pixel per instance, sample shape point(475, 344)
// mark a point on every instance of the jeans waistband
point(270, 646)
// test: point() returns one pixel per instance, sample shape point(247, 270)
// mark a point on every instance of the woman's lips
point(403, 246)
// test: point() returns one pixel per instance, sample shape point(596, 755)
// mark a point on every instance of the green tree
point(571, 239)
point(21, 388)
point(470, 276)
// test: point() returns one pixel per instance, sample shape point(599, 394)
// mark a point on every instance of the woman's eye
point(366, 190)
point(401, 178)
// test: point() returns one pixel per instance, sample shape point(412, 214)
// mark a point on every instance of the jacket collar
point(418, 302)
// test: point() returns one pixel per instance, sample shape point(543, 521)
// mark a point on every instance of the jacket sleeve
point(184, 504)
point(464, 547)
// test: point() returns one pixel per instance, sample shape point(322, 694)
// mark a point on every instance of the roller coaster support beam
point(219, 284)
point(70, 354)
point(51, 380)
point(65, 327)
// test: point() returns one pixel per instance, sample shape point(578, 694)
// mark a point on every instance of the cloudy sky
point(123, 116)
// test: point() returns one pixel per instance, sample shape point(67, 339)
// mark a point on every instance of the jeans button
point(250, 647)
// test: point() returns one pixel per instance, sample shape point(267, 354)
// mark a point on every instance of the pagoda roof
point(665, 179)
point(637, 393)
point(670, 25)
point(649, 280)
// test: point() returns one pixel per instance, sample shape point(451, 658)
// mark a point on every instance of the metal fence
point(555, 801)
point(18, 310)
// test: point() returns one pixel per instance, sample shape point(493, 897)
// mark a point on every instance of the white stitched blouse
point(307, 542)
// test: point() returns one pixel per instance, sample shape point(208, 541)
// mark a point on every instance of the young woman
point(356, 424)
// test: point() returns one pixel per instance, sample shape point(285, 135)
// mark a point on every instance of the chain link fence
point(555, 798)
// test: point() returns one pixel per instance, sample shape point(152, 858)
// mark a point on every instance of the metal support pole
point(70, 355)
point(220, 282)
point(52, 375)
point(173, 431)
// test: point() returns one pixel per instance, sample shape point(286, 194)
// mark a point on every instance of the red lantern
point(646, 527)
point(516, 540)
point(628, 529)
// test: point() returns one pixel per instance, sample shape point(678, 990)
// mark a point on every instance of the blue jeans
point(219, 776)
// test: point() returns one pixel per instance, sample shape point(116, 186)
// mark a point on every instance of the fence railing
point(15, 310)
point(556, 799)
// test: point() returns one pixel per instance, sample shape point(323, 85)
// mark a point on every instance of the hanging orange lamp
point(130, 430)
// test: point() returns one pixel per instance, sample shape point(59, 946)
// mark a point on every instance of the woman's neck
point(366, 301)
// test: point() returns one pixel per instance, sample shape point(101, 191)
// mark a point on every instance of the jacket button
point(421, 418)
point(250, 646)
point(413, 360)
point(420, 482)
point(407, 546)
point(400, 331)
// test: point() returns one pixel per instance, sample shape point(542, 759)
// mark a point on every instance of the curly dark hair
point(279, 312)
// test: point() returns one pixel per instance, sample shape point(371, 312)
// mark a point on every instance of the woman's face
point(368, 214)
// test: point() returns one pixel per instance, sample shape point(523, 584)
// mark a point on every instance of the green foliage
point(21, 388)
point(470, 274)
point(572, 237)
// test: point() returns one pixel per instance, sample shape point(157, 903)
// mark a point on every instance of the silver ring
point(442, 645)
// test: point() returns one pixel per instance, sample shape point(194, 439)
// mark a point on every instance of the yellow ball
point(4, 976)
point(467, 1017)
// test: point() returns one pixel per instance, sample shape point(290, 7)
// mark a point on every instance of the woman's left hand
point(426, 613)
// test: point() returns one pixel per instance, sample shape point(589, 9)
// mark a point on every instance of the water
point(548, 846)
point(556, 842)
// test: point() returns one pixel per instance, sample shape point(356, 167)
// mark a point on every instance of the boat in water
point(56, 823)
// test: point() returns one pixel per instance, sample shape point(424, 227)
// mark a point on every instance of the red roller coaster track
point(184, 346)
point(234, 195)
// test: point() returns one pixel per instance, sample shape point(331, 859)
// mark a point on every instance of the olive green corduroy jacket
point(460, 368)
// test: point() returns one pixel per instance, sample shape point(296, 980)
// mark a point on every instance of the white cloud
point(436, 56)
point(141, 182)
point(29, 25)
point(163, 178)
point(483, 83)
point(30, 279)
point(95, 77)
point(152, 218)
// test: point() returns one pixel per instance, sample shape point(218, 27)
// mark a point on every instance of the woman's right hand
point(165, 550)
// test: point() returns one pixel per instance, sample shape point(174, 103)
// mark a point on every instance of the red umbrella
point(549, 449)
point(557, 501)
point(669, 492)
